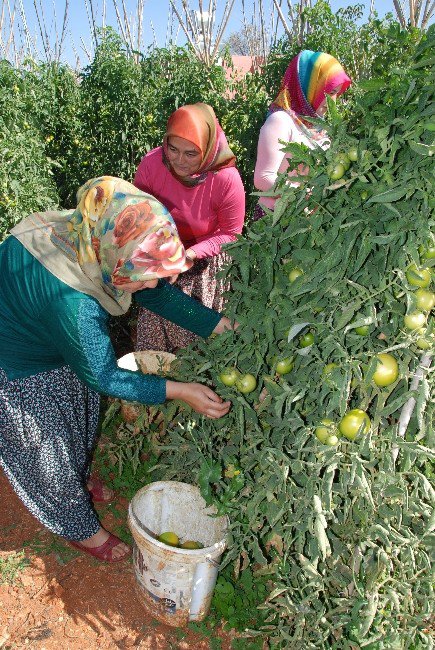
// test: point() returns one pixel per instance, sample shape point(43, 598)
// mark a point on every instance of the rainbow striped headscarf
point(309, 76)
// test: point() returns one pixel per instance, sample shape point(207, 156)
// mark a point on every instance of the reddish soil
point(66, 600)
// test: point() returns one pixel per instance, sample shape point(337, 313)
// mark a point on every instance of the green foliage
point(26, 179)
point(237, 602)
point(365, 50)
point(125, 457)
point(345, 532)
point(11, 565)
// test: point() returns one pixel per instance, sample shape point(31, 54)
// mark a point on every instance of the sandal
point(97, 491)
point(104, 551)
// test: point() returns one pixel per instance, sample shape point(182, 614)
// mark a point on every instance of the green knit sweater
point(45, 324)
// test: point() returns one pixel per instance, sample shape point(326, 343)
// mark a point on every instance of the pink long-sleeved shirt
point(207, 215)
point(271, 160)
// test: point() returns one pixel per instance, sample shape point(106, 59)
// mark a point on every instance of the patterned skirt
point(48, 427)
point(200, 282)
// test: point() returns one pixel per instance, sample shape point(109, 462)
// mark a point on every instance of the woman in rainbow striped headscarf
point(309, 77)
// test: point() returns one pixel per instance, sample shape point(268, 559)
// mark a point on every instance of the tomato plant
point(318, 519)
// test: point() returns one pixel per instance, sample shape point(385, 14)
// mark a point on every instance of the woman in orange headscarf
point(194, 175)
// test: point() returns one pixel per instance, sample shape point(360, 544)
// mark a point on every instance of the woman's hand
point(190, 253)
point(225, 324)
point(201, 398)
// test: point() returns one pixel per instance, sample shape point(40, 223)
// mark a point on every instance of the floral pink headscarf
point(117, 235)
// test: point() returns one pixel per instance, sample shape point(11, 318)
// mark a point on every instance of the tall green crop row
point(26, 175)
point(345, 532)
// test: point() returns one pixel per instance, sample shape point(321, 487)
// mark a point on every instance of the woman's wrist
point(225, 324)
point(174, 389)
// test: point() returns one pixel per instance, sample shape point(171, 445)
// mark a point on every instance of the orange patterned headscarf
point(198, 124)
point(117, 235)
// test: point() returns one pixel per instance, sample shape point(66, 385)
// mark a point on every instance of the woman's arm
point(230, 210)
point(174, 305)
point(79, 328)
point(269, 151)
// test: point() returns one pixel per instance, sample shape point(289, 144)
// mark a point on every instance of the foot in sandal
point(100, 493)
point(104, 546)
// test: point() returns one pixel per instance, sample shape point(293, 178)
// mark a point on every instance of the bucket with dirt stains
point(175, 584)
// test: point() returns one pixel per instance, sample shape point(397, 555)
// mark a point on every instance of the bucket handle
point(213, 562)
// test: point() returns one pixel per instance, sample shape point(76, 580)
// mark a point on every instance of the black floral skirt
point(48, 426)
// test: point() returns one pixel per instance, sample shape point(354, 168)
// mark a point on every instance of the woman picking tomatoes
point(309, 77)
point(63, 275)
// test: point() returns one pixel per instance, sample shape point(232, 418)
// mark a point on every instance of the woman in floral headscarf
point(63, 274)
point(194, 175)
point(309, 77)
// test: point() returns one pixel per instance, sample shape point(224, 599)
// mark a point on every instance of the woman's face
point(131, 287)
point(184, 156)
point(333, 95)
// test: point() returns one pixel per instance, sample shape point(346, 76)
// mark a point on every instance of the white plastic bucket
point(175, 584)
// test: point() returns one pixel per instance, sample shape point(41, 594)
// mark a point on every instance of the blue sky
point(155, 12)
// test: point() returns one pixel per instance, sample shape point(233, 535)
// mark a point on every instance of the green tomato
point(362, 330)
point(354, 422)
point(335, 172)
point(418, 277)
point(306, 340)
point(295, 273)
point(246, 383)
point(342, 159)
point(284, 366)
point(427, 253)
point(325, 429)
point(329, 368)
point(364, 195)
point(387, 370)
point(331, 441)
point(169, 538)
point(425, 342)
point(229, 376)
point(414, 321)
point(424, 299)
point(352, 154)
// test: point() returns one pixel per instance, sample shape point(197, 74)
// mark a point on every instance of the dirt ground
point(66, 600)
